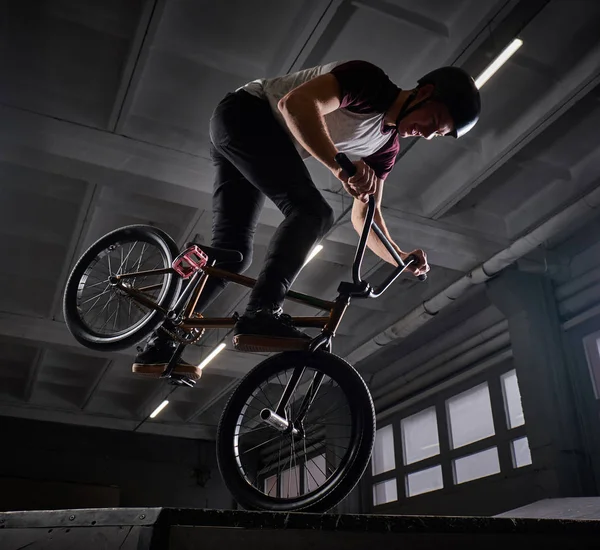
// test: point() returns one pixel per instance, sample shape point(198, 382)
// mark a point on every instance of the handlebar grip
point(345, 164)
point(413, 259)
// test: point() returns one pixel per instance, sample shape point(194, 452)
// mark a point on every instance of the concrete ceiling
point(104, 109)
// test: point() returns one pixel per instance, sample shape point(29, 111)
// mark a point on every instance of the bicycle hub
point(277, 422)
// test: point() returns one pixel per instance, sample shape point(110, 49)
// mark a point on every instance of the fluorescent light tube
point(498, 62)
point(313, 253)
point(159, 408)
point(212, 355)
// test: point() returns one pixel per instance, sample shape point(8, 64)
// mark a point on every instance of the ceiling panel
point(67, 56)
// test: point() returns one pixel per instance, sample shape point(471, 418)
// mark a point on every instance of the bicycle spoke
point(98, 298)
point(306, 469)
point(283, 459)
point(106, 322)
point(103, 281)
point(113, 316)
point(261, 445)
point(257, 429)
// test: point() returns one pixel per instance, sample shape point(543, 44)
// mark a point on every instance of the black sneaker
point(156, 355)
point(266, 330)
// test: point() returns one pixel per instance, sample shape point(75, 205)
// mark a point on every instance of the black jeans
point(254, 158)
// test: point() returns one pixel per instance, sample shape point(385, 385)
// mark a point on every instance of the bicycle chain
point(174, 335)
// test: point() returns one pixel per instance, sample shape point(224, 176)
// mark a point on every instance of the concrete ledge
point(171, 528)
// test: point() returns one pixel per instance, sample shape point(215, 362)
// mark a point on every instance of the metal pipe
point(381, 379)
point(579, 302)
point(522, 246)
point(572, 287)
point(411, 399)
point(428, 374)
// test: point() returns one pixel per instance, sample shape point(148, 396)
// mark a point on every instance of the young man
point(260, 135)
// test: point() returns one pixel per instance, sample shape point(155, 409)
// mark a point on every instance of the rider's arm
point(359, 213)
point(303, 110)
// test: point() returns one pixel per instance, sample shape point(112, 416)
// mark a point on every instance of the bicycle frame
point(184, 308)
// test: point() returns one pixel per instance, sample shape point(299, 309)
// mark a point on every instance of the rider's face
point(430, 120)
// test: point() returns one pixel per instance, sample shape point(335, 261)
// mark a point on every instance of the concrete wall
point(51, 465)
point(549, 315)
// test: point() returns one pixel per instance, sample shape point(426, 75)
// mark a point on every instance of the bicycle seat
point(218, 254)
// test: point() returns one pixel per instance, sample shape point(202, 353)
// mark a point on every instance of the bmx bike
point(298, 431)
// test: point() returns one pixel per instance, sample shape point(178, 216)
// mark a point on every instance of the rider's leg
point(236, 209)
point(249, 136)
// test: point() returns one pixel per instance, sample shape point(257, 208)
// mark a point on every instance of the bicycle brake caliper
point(192, 259)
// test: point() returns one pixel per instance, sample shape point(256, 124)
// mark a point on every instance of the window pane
point(512, 399)
point(420, 436)
point(521, 453)
point(425, 481)
point(315, 473)
point(385, 492)
point(470, 416)
point(290, 483)
point(271, 486)
point(594, 364)
point(477, 465)
point(383, 452)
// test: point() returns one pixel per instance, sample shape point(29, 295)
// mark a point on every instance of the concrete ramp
point(558, 508)
point(179, 529)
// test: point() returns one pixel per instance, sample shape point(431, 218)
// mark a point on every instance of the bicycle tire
point(333, 491)
point(142, 233)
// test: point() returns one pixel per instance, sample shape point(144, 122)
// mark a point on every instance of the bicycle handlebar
point(348, 166)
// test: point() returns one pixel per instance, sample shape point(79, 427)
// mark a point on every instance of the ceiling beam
point(134, 167)
point(89, 394)
point(80, 230)
point(137, 57)
point(33, 374)
point(49, 333)
point(498, 148)
point(307, 40)
point(213, 399)
point(95, 420)
point(405, 15)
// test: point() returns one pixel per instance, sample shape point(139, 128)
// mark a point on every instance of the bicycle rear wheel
point(103, 317)
point(313, 467)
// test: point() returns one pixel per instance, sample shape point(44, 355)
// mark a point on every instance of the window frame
point(502, 440)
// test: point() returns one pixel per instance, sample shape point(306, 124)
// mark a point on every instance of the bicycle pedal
point(156, 371)
point(253, 343)
point(192, 259)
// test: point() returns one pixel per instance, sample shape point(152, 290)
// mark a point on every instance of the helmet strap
point(405, 110)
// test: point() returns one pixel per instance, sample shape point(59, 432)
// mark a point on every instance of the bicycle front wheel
point(314, 461)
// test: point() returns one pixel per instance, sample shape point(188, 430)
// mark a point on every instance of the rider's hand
point(420, 267)
point(360, 185)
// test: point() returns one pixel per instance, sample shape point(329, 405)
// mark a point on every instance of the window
point(477, 465)
point(385, 492)
point(521, 453)
point(470, 416)
point(383, 452)
point(424, 481)
point(290, 482)
point(512, 400)
point(420, 436)
point(592, 351)
point(271, 486)
point(460, 439)
point(314, 472)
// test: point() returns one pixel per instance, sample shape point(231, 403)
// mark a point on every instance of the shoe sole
point(155, 371)
point(253, 343)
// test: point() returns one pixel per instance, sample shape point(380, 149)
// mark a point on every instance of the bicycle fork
point(278, 418)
